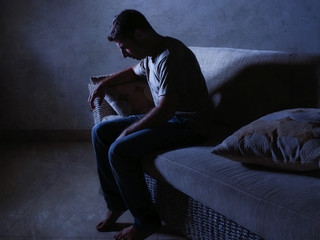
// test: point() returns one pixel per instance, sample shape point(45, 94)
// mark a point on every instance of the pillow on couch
point(130, 98)
point(288, 139)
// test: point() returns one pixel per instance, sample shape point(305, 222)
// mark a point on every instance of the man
point(180, 97)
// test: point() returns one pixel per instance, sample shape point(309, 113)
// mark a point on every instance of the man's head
point(131, 31)
point(126, 23)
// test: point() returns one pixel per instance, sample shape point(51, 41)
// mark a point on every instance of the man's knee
point(120, 153)
point(114, 153)
point(97, 132)
point(102, 132)
point(94, 131)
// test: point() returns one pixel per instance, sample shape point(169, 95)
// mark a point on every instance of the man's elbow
point(167, 108)
point(167, 113)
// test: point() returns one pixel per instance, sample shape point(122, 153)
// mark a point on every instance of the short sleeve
point(169, 77)
point(140, 69)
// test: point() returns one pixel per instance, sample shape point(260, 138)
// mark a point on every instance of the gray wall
point(50, 48)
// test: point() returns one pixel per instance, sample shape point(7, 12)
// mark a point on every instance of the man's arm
point(158, 115)
point(122, 77)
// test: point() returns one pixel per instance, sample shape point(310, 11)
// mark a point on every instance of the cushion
point(130, 98)
point(272, 204)
point(251, 83)
point(289, 139)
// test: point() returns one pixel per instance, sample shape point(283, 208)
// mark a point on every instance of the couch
point(216, 191)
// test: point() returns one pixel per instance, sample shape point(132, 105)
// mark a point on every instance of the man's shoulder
point(175, 50)
point(174, 43)
point(175, 53)
point(175, 46)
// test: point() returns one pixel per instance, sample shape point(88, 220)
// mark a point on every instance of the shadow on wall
point(260, 89)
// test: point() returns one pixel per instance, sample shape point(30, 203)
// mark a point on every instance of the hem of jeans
point(116, 208)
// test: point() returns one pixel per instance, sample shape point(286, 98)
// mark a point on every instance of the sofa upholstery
point(272, 204)
point(245, 85)
point(250, 83)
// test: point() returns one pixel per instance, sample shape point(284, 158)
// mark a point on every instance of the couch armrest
point(102, 110)
point(122, 100)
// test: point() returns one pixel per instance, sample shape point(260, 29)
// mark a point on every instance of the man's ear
point(139, 34)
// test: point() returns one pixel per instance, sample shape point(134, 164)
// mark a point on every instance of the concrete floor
point(50, 190)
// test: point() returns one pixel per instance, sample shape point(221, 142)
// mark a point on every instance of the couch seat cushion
point(273, 204)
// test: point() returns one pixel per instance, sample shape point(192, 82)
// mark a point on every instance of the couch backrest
point(247, 84)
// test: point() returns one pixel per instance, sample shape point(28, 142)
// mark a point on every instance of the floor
point(50, 191)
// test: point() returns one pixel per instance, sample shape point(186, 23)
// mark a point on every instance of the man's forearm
point(122, 77)
point(119, 78)
point(155, 117)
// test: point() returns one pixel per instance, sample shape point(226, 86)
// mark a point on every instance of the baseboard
point(45, 135)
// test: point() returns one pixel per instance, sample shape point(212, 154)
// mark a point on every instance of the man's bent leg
point(103, 135)
point(125, 155)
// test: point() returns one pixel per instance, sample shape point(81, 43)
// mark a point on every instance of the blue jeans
point(118, 161)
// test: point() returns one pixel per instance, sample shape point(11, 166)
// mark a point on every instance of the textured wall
point(49, 48)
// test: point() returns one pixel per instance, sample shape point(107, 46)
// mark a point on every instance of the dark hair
point(124, 25)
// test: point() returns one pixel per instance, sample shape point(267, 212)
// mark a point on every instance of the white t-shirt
point(176, 71)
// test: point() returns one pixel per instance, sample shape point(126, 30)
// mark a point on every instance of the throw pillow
point(130, 98)
point(288, 139)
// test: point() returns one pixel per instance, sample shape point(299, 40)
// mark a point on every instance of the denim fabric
point(119, 168)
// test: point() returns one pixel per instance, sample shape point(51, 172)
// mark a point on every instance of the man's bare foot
point(111, 218)
point(130, 233)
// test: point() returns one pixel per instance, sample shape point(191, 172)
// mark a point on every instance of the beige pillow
point(288, 139)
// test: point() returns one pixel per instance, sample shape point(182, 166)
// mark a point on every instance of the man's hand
point(99, 92)
point(126, 132)
point(155, 117)
point(122, 77)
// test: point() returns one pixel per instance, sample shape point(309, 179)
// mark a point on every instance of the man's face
point(131, 48)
